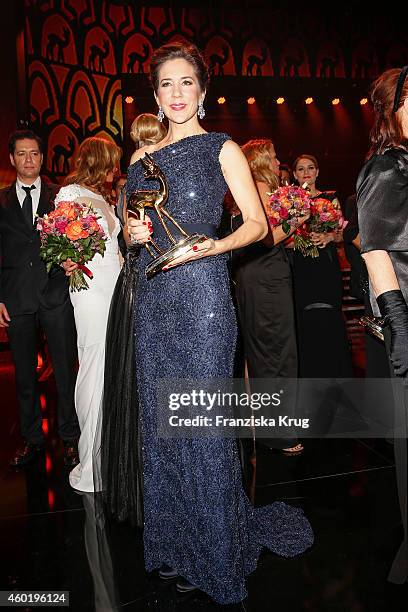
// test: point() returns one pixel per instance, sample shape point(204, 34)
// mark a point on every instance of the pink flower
point(325, 216)
point(284, 212)
point(60, 225)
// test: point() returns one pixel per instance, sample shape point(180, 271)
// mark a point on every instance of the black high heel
point(167, 573)
point(184, 586)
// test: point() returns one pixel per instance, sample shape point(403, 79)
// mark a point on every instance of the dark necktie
point(27, 207)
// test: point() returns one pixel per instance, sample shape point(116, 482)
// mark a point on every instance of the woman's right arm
point(381, 272)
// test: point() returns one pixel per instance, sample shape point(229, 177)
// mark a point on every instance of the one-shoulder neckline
point(176, 142)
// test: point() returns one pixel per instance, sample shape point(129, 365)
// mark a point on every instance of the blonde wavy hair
point(257, 153)
point(94, 159)
point(146, 129)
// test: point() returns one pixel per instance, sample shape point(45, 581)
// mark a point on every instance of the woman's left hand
point(198, 251)
point(322, 239)
point(69, 266)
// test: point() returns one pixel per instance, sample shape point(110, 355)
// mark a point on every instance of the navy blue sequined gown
point(198, 519)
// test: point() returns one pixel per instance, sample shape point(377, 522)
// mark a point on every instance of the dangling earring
point(160, 114)
point(201, 111)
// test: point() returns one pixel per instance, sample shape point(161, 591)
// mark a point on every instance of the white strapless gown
point(91, 310)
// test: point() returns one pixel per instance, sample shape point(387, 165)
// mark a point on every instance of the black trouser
point(59, 328)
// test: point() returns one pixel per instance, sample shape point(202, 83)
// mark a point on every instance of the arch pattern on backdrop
point(77, 50)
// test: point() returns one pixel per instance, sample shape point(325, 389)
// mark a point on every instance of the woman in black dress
point(322, 340)
point(382, 201)
point(264, 290)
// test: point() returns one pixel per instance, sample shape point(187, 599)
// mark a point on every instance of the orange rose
point(62, 208)
point(66, 209)
point(71, 213)
point(74, 230)
point(94, 226)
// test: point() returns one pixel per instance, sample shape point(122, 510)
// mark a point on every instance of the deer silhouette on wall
point(328, 66)
point(58, 44)
point(218, 61)
point(292, 64)
point(363, 65)
point(140, 58)
point(97, 57)
point(256, 61)
point(62, 154)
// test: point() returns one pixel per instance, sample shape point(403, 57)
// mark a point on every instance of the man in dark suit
point(30, 297)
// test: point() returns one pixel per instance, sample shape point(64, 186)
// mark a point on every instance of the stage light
point(309, 100)
point(363, 101)
point(128, 99)
point(336, 101)
point(251, 100)
point(51, 499)
point(48, 464)
point(221, 100)
point(280, 100)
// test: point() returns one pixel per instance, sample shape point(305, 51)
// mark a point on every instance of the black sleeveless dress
point(322, 339)
point(264, 295)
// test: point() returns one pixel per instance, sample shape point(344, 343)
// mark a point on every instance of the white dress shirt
point(35, 193)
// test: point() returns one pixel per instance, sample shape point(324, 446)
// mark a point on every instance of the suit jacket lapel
point(15, 207)
point(45, 204)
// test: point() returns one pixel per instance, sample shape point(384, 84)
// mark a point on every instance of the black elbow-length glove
point(394, 309)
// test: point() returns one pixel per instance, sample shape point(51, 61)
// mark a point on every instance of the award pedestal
point(184, 245)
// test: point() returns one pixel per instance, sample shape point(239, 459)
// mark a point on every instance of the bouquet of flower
point(71, 231)
point(286, 205)
point(325, 216)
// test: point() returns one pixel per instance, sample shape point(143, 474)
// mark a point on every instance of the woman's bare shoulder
point(139, 153)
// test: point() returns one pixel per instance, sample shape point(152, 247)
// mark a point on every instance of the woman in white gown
point(97, 161)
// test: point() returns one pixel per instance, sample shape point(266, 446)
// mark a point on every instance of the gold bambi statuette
point(157, 199)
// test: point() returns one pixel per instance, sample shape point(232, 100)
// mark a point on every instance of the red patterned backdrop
point(77, 51)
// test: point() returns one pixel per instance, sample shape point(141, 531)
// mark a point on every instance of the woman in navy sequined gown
point(198, 522)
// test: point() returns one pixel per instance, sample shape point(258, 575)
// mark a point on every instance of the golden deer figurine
point(157, 199)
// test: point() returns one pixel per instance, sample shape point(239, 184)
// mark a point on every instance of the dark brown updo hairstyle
point(179, 50)
point(308, 156)
point(387, 129)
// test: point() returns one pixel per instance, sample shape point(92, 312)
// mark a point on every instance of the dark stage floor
point(347, 487)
